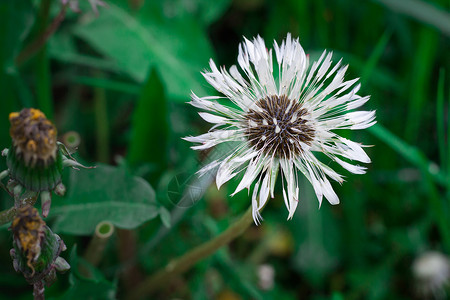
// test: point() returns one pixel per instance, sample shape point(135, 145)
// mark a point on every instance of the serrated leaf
point(179, 49)
point(103, 194)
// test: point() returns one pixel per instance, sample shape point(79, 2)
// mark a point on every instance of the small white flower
point(280, 121)
point(432, 273)
point(266, 276)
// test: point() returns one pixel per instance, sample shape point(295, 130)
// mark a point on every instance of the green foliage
point(121, 78)
point(178, 52)
point(103, 194)
point(93, 287)
point(147, 127)
point(17, 18)
point(428, 13)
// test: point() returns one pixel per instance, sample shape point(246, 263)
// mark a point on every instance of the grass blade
point(421, 72)
point(375, 56)
point(43, 81)
point(448, 144)
point(102, 124)
point(421, 11)
point(441, 122)
point(410, 153)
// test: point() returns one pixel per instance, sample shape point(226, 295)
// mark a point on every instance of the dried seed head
point(28, 231)
point(279, 126)
point(33, 137)
point(36, 248)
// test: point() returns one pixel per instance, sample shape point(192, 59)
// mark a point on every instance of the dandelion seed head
point(281, 121)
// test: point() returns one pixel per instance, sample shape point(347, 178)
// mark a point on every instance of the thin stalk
point(135, 4)
point(127, 251)
point(441, 122)
point(101, 120)
point(94, 252)
point(8, 215)
point(42, 72)
point(38, 290)
point(375, 56)
point(421, 71)
point(185, 262)
point(41, 39)
point(440, 210)
point(302, 15)
point(322, 29)
point(411, 153)
point(448, 146)
point(422, 11)
point(195, 189)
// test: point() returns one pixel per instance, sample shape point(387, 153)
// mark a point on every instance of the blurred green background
point(121, 79)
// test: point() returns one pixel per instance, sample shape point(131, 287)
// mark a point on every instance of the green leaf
point(103, 194)
point(178, 48)
point(164, 214)
point(210, 11)
point(108, 84)
point(61, 47)
point(421, 11)
point(16, 19)
point(150, 126)
point(81, 287)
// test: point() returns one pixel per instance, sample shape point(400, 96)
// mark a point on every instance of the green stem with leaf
point(185, 262)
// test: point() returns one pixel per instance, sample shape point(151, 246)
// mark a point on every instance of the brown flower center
point(278, 126)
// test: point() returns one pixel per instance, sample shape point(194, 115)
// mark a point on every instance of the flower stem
point(40, 40)
point(42, 67)
point(101, 120)
point(94, 252)
point(439, 209)
point(131, 274)
point(8, 215)
point(185, 262)
point(38, 290)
